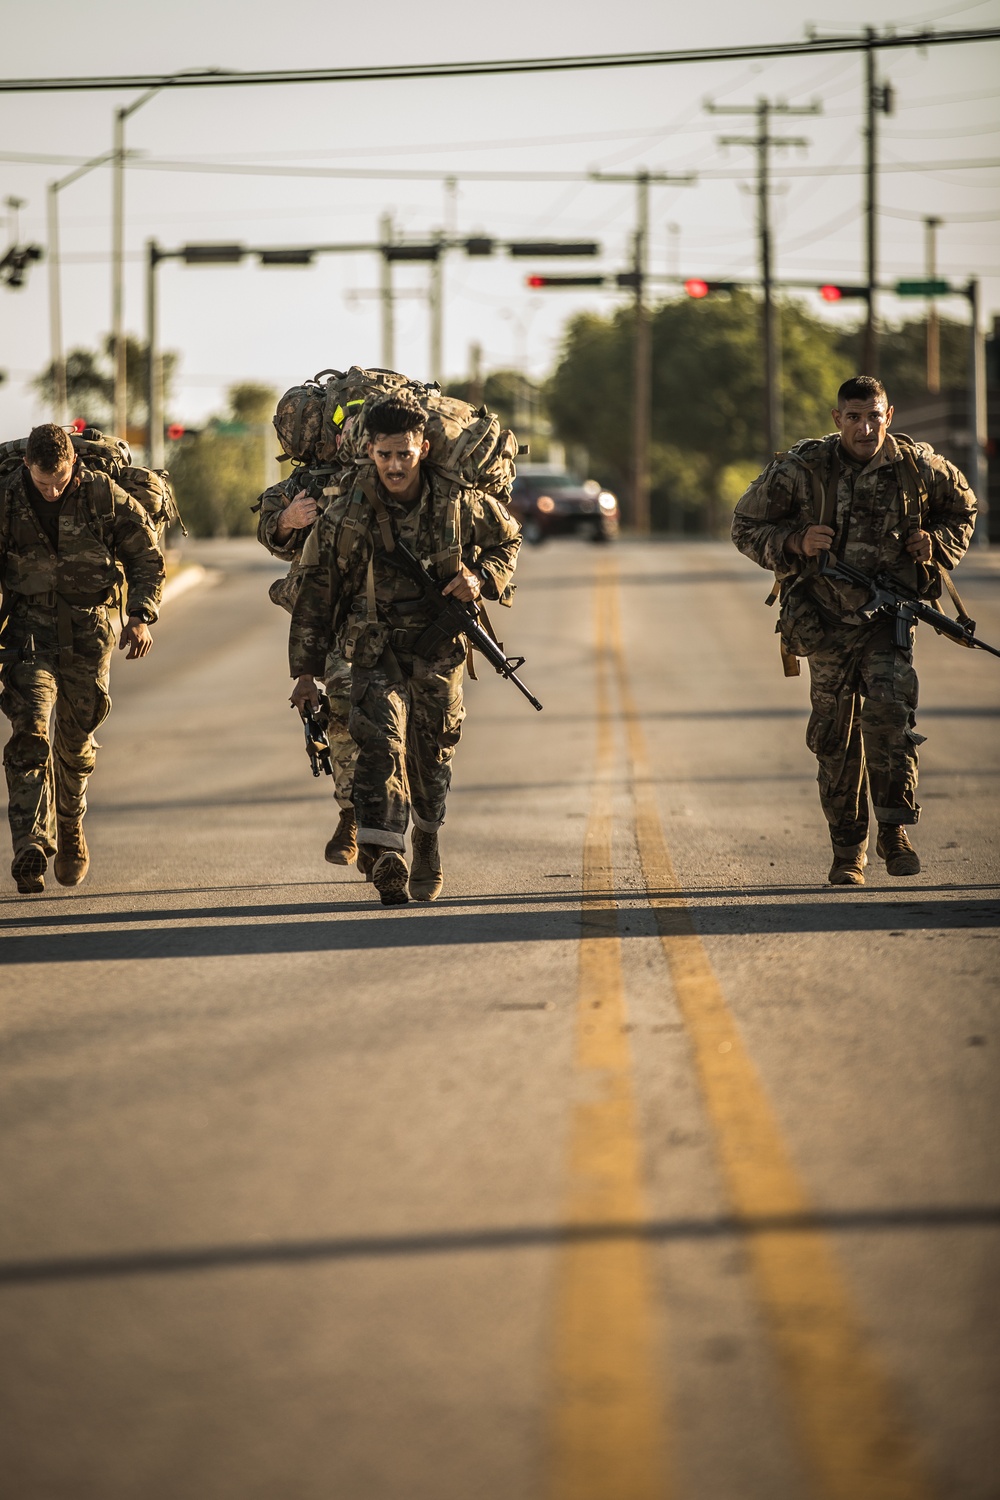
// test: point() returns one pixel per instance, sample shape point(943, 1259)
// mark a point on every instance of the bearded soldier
point(64, 531)
point(880, 504)
point(406, 683)
point(288, 512)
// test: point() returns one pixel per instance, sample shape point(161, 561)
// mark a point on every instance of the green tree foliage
point(90, 382)
point(903, 357)
point(219, 472)
point(507, 392)
point(708, 396)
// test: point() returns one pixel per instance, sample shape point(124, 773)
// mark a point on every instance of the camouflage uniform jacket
point(99, 526)
point(448, 524)
point(873, 508)
point(320, 483)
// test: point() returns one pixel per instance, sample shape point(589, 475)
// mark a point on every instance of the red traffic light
point(830, 293)
point(696, 288)
point(543, 281)
point(79, 424)
point(175, 431)
point(536, 280)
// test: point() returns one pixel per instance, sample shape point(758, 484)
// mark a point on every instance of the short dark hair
point(861, 388)
point(394, 415)
point(48, 447)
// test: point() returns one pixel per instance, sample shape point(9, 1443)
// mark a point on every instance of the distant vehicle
point(550, 502)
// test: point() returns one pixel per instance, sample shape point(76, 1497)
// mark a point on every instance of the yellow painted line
point(607, 1428)
point(851, 1432)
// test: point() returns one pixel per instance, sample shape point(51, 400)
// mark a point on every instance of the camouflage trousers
point(343, 750)
point(406, 732)
point(54, 710)
point(861, 730)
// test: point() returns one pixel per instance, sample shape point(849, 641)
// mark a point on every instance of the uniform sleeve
point(137, 551)
point(771, 510)
point(271, 503)
point(496, 541)
point(312, 628)
point(951, 510)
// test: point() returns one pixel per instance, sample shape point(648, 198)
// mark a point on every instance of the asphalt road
point(642, 1166)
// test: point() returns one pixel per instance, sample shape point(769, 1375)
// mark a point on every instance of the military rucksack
point(112, 456)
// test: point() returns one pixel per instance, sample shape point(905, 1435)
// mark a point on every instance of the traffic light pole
point(154, 372)
point(762, 143)
point(931, 227)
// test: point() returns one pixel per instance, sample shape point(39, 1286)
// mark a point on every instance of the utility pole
point(120, 405)
point(388, 305)
point(642, 345)
point(977, 471)
point(61, 402)
point(931, 227)
point(154, 374)
point(762, 143)
point(435, 297)
point(878, 100)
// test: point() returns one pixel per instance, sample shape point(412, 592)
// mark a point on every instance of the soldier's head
point(396, 443)
point(862, 415)
point(50, 458)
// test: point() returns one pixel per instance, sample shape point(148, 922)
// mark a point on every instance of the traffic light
point(697, 288)
point(553, 247)
point(547, 281)
point(175, 431)
point(832, 293)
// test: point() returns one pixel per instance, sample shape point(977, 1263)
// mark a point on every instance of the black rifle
point(317, 740)
point(453, 618)
point(886, 596)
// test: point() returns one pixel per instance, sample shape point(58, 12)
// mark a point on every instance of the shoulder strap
point(371, 494)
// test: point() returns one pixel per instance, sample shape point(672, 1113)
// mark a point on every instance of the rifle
point(886, 596)
point(317, 740)
point(453, 618)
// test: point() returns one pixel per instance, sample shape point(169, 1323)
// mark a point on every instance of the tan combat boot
point(426, 878)
point(389, 876)
point(72, 855)
point(367, 855)
point(895, 848)
point(343, 846)
point(848, 866)
point(28, 870)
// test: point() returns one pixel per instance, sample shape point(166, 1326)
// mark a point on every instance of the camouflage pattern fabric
point(57, 639)
point(863, 691)
point(406, 710)
point(49, 757)
point(407, 729)
point(336, 673)
point(99, 525)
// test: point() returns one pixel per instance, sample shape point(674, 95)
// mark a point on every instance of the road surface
point(641, 1166)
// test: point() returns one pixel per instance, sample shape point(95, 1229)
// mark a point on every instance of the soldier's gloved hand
point(137, 638)
point(465, 586)
point(305, 691)
point(298, 513)
point(812, 541)
point(918, 545)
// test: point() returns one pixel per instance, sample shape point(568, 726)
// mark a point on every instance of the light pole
point(118, 154)
point(931, 227)
point(61, 402)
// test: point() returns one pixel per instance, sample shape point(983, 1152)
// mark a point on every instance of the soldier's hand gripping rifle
point(886, 596)
point(453, 618)
point(317, 740)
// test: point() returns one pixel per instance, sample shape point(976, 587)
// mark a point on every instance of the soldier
point(406, 692)
point(882, 504)
point(63, 529)
point(287, 513)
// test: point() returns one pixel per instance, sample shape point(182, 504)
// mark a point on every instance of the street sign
point(923, 288)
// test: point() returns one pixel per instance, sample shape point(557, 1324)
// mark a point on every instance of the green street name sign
point(922, 288)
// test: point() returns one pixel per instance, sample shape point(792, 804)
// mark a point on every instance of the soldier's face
point(397, 460)
point(52, 486)
point(863, 425)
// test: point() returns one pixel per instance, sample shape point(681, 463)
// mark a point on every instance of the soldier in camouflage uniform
point(884, 505)
point(63, 529)
point(287, 513)
point(406, 695)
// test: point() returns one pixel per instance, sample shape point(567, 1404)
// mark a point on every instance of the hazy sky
point(280, 326)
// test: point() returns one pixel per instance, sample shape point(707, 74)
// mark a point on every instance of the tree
point(220, 471)
point(903, 357)
point(90, 382)
point(707, 396)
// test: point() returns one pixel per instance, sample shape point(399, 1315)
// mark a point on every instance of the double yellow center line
point(609, 1436)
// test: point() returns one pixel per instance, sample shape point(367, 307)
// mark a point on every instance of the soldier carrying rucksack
point(68, 531)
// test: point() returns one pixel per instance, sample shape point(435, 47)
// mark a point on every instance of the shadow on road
point(420, 927)
point(463, 1241)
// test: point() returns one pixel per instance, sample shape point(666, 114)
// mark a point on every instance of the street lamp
point(55, 290)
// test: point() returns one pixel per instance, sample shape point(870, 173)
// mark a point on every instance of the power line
point(224, 77)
